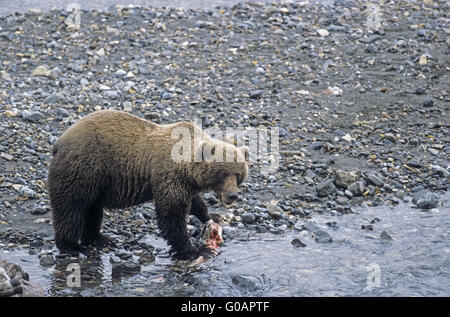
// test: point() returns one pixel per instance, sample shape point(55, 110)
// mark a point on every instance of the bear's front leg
point(171, 215)
point(199, 209)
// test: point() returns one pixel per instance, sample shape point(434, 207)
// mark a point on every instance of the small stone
point(390, 137)
point(433, 151)
point(420, 91)
point(6, 156)
point(53, 98)
point(375, 180)
point(428, 103)
point(100, 52)
point(24, 191)
point(255, 94)
point(309, 226)
point(274, 211)
point(425, 199)
point(33, 116)
point(248, 218)
point(47, 260)
point(344, 179)
point(125, 268)
point(39, 210)
point(121, 72)
point(248, 282)
point(323, 32)
point(370, 39)
point(385, 236)
point(42, 220)
point(347, 138)
point(138, 222)
point(325, 188)
point(112, 31)
point(41, 71)
point(323, 237)
point(297, 243)
point(357, 188)
point(146, 258)
point(63, 112)
point(423, 60)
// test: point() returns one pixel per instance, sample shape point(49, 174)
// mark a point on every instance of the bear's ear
point(244, 150)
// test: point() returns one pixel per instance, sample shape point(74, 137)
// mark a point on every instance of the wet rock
point(433, 151)
point(385, 236)
point(274, 211)
point(24, 191)
point(250, 283)
point(322, 237)
point(39, 210)
point(14, 281)
point(370, 39)
point(309, 226)
point(63, 112)
point(375, 180)
point(124, 268)
point(356, 188)
point(53, 98)
point(46, 260)
point(33, 116)
point(248, 218)
point(420, 91)
point(414, 163)
point(428, 103)
point(344, 179)
point(297, 243)
point(390, 137)
point(367, 227)
point(325, 188)
point(146, 258)
point(425, 199)
point(41, 71)
point(152, 116)
point(323, 32)
point(255, 94)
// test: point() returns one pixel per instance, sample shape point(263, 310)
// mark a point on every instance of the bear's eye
point(223, 175)
point(239, 178)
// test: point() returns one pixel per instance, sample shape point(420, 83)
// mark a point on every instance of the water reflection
point(404, 252)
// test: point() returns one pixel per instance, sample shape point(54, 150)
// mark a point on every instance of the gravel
point(362, 115)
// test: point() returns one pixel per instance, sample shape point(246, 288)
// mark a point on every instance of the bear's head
point(222, 167)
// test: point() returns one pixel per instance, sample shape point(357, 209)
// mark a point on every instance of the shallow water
point(358, 262)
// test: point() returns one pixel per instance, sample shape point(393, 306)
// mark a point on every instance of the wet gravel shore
point(362, 107)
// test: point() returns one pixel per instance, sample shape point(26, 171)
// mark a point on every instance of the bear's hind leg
point(67, 222)
point(91, 228)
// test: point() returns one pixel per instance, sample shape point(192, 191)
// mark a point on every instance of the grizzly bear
point(112, 159)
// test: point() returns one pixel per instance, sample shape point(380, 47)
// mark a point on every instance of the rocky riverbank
point(362, 107)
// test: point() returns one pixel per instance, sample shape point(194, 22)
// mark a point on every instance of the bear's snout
point(232, 196)
point(228, 198)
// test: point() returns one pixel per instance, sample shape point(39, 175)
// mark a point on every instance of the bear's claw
point(207, 252)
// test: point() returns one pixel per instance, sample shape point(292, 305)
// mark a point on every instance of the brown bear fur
point(113, 159)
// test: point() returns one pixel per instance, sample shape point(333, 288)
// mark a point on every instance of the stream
point(376, 251)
